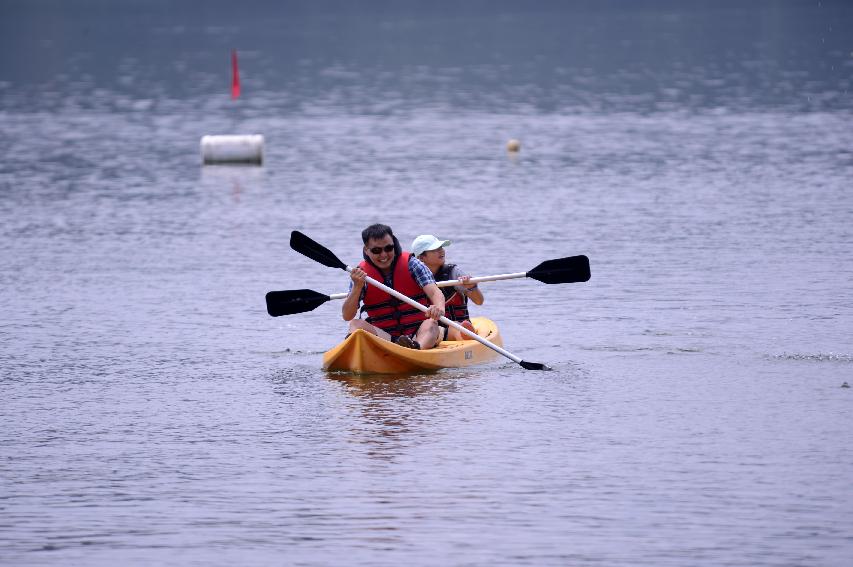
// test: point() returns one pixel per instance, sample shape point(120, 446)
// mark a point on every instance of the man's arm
point(424, 278)
point(350, 307)
point(435, 310)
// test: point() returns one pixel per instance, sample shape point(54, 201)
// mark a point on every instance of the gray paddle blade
point(315, 251)
point(294, 301)
point(534, 366)
point(562, 270)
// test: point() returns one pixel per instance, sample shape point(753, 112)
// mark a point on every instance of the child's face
point(434, 259)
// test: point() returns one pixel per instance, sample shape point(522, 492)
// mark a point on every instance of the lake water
point(701, 155)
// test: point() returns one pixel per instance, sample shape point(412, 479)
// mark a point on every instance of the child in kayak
point(430, 250)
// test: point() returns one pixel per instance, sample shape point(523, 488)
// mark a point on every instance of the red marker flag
point(235, 75)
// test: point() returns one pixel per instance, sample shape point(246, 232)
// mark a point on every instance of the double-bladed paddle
point(318, 253)
point(561, 270)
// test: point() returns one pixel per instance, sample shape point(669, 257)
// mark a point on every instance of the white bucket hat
point(426, 242)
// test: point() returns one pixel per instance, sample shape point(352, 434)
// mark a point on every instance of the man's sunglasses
point(379, 249)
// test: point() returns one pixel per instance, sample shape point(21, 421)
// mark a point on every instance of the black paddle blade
point(562, 270)
point(294, 301)
point(315, 251)
point(534, 366)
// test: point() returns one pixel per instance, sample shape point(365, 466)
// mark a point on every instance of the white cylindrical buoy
point(513, 145)
point(232, 149)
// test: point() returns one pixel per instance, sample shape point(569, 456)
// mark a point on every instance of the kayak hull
point(365, 353)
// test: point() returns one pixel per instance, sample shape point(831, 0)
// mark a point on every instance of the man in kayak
point(430, 251)
point(387, 317)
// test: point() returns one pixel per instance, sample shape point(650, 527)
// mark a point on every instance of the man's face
point(380, 251)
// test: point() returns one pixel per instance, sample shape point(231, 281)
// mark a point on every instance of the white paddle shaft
point(448, 283)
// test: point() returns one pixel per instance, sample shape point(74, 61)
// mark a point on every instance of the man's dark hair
point(376, 231)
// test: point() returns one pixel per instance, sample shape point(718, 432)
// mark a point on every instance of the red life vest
point(387, 312)
point(455, 303)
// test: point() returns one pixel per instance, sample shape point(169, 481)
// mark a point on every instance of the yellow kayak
point(365, 353)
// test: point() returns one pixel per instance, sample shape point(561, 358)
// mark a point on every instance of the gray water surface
point(700, 155)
